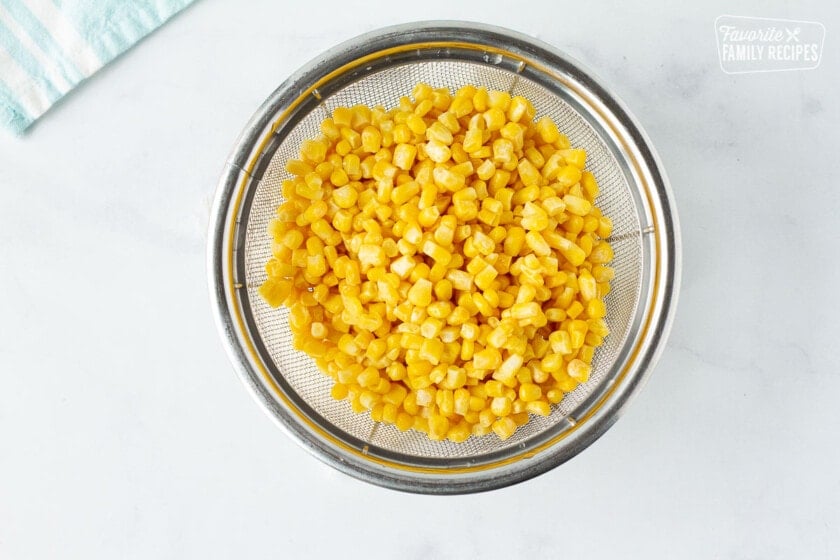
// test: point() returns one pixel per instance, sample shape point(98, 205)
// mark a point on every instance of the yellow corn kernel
point(568, 176)
point(318, 330)
point(292, 239)
point(371, 140)
point(605, 226)
point(460, 279)
point(482, 305)
point(404, 192)
point(313, 151)
point(529, 392)
point(450, 120)
point(526, 293)
point(438, 132)
point(554, 395)
point(537, 243)
point(436, 252)
point(504, 427)
point(459, 433)
point(499, 336)
point(520, 109)
point(486, 170)
point(372, 255)
point(589, 185)
point(486, 416)
point(416, 124)
point(586, 353)
point(369, 377)
point(480, 99)
point(404, 155)
point(501, 406)
point(503, 151)
point(461, 400)
point(464, 168)
point(575, 157)
point(508, 369)
point(440, 99)
point(431, 327)
point(579, 370)
point(428, 216)
point(431, 350)
point(445, 232)
point(498, 99)
point(458, 316)
point(425, 396)
point(515, 133)
point(467, 351)
point(489, 358)
point(404, 421)
point(577, 205)
point(493, 388)
point(547, 130)
point(577, 332)
point(514, 241)
point(476, 265)
point(446, 179)
point(534, 218)
point(360, 116)
point(494, 119)
point(473, 140)
point(420, 294)
point(536, 157)
point(525, 310)
point(484, 278)
point(339, 391)
point(587, 286)
point(469, 331)
point(455, 379)
point(353, 138)
point(461, 106)
point(316, 265)
point(529, 174)
point(552, 363)
point(438, 151)
point(330, 130)
point(602, 253)
point(554, 206)
point(538, 407)
point(422, 92)
point(595, 309)
point(422, 108)
point(439, 309)
point(575, 309)
point(443, 289)
point(574, 254)
point(275, 292)
point(403, 266)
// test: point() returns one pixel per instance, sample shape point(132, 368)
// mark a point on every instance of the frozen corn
point(444, 261)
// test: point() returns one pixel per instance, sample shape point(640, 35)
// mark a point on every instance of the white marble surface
point(124, 432)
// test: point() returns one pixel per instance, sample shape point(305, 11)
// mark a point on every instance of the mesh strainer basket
point(376, 69)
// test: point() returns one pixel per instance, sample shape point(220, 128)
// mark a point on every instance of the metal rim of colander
point(483, 44)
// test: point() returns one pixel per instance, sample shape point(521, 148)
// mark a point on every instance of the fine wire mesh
point(385, 87)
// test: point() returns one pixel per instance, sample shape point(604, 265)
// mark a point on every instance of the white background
point(124, 432)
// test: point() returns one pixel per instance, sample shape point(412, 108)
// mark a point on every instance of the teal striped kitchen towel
point(48, 47)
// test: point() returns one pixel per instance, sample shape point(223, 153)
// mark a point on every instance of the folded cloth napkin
point(48, 47)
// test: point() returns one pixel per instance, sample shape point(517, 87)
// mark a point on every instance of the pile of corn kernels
point(443, 261)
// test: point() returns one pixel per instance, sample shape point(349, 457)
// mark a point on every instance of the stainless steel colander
point(377, 69)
